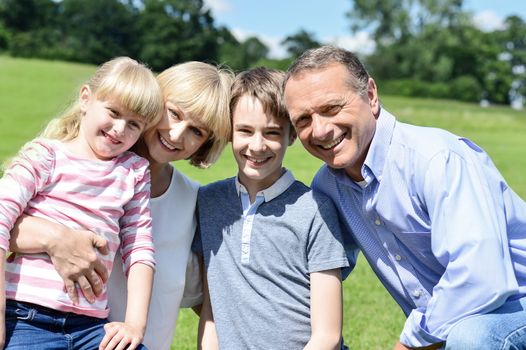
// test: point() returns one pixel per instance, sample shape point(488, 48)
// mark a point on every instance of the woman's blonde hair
point(202, 90)
point(125, 81)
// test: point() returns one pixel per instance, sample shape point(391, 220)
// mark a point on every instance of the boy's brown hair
point(264, 84)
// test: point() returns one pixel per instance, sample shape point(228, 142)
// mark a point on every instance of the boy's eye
point(243, 131)
point(274, 133)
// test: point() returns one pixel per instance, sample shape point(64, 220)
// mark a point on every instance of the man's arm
point(326, 310)
point(72, 253)
point(467, 201)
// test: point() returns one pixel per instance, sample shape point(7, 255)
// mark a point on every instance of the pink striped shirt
point(110, 198)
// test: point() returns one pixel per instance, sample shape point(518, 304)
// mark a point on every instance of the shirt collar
point(375, 159)
point(277, 188)
point(377, 154)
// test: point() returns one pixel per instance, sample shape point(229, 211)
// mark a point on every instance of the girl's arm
point(206, 335)
point(326, 310)
point(72, 253)
point(130, 333)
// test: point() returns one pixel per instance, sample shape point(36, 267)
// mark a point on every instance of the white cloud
point(488, 21)
point(272, 42)
point(218, 6)
point(360, 43)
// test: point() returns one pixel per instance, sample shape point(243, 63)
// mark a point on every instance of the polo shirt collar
point(277, 188)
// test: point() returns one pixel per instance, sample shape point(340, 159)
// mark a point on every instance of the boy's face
point(259, 142)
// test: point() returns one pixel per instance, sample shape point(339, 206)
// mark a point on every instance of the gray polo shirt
point(259, 282)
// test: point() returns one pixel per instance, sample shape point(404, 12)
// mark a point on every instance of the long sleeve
point(28, 173)
point(136, 224)
point(464, 196)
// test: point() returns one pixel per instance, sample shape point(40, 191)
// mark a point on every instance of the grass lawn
point(32, 91)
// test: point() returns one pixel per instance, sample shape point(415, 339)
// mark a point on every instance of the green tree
point(98, 30)
point(173, 31)
point(240, 55)
point(300, 42)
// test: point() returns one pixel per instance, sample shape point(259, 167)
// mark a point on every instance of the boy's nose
point(257, 143)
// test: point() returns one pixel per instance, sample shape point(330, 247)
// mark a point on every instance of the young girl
point(79, 174)
point(196, 127)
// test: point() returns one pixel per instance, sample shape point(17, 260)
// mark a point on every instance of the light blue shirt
point(437, 223)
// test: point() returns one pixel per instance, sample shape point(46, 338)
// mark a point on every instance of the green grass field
point(33, 91)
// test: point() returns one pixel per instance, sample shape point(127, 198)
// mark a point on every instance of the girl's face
point(177, 136)
point(107, 129)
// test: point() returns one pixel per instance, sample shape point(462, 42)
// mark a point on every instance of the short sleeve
point(325, 249)
point(193, 287)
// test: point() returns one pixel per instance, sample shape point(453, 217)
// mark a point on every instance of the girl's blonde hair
point(125, 81)
point(202, 90)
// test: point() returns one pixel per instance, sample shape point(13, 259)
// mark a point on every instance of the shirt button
point(377, 222)
point(398, 257)
point(417, 293)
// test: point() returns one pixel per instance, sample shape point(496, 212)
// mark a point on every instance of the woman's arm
point(72, 253)
point(206, 335)
point(130, 333)
point(326, 310)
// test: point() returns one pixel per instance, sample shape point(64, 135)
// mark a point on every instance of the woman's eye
point(197, 132)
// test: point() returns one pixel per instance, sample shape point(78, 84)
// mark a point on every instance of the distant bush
point(4, 38)
point(465, 88)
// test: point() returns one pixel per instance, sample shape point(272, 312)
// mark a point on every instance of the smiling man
point(433, 216)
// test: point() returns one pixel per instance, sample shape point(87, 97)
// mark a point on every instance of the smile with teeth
point(166, 143)
point(110, 138)
point(332, 143)
point(257, 160)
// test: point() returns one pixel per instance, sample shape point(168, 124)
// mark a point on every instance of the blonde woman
point(196, 127)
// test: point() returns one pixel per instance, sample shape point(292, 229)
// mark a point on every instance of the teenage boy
point(272, 249)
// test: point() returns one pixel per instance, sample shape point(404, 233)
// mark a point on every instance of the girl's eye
point(173, 114)
point(274, 133)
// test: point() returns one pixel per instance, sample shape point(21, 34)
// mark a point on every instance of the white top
point(177, 281)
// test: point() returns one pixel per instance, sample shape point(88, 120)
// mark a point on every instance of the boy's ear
point(84, 97)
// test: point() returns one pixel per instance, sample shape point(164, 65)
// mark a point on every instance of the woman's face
point(177, 136)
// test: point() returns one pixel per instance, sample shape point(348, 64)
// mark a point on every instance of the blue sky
point(273, 20)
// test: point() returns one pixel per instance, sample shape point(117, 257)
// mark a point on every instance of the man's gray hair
point(324, 56)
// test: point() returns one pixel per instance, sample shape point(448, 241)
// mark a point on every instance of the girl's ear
point(84, 97)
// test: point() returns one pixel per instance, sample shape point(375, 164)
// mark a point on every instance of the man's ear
point(84, 97)
point(372, 95)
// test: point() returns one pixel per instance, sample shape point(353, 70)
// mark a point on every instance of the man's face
point(333, 122)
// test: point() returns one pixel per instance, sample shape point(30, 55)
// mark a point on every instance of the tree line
point(427, 48)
